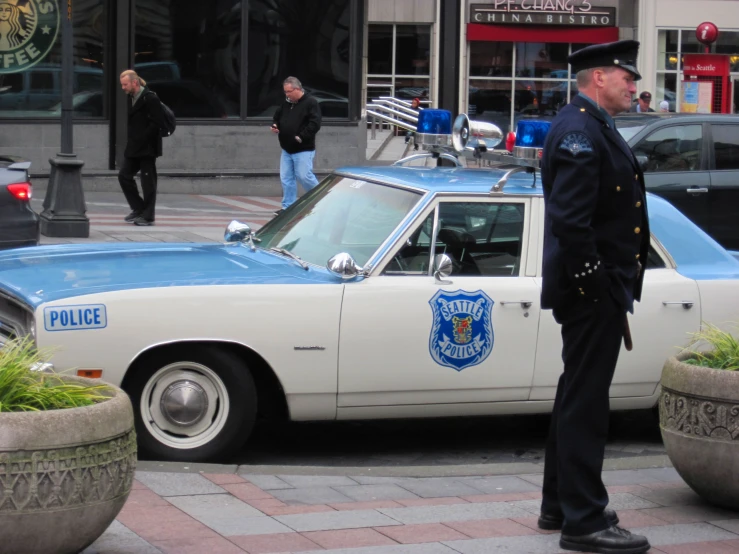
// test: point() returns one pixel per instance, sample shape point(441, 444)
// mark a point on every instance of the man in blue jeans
point(296, 123)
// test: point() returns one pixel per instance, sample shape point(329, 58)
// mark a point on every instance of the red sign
point(706, 65)
point(707, 33)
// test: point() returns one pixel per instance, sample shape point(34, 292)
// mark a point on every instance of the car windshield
point(340, 215)
point(629, 128)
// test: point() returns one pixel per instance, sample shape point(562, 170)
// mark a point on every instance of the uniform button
point(637, 256)
point(582, 109)
point(638, 204)
point(637, 230)
point(618, 189)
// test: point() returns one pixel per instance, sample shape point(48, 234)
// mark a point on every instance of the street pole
point(64, 204)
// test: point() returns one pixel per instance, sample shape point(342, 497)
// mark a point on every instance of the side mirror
point(237, 231)
point(344, 266)
point(643, 162)
point(442, 269)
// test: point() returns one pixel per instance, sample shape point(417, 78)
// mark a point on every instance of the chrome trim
point(686, 304)
point(426, 155)
point(527, 153)
point(429, 139)
point(524, 303)
point(662, 251)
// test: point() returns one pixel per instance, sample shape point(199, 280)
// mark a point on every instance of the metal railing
point(394, 111)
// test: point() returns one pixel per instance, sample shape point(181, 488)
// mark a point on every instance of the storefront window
point(399, 61)
point(536, 59)
point(307, 40)
point(491, 59)
point(668, 50)
point(666, 90)
point(189, 53)
point(35, 90)
point(728, 43)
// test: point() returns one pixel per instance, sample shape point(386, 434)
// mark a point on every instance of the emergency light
point(434, 128)
point(530, 136)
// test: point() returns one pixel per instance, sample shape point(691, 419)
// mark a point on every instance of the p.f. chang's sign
point(579, 13)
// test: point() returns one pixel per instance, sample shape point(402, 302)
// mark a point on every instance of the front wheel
point(193, 404)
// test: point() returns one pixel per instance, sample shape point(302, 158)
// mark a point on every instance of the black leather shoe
point(613, 540)
point(142, 222)
point(550, 522)
point(130, 217)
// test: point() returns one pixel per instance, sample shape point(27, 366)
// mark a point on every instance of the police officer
point(596, 236)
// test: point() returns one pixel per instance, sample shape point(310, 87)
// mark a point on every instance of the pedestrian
point(143, 147)
point(642, 103)
point(296, 123)
point(664, 106)
point(415, 105)
point(596, 234)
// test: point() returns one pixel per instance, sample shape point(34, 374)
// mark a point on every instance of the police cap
point(619, 54)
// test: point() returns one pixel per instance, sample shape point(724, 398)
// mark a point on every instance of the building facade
point(220, 64)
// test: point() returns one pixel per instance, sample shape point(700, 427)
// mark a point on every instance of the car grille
point(14, 318)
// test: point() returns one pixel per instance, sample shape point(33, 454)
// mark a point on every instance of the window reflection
point(380, 50)
point(37, 92)
point(308, 40)
point(491, 59)
point(412, 50)
point(189, 53)
point(536, 59)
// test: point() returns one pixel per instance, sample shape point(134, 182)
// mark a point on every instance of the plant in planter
point(699, 415)
point(67, 455)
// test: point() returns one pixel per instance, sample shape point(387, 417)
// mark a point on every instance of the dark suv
point(692, 160)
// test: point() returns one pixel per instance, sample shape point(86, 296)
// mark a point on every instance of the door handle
point(697, 190)
point(687, 304)
point(524, 303)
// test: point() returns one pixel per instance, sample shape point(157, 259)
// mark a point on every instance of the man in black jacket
point(144, 146)
point(296, 123)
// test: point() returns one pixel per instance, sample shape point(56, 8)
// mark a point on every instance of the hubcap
point(184, 403)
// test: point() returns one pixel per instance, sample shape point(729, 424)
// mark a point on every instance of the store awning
point(513, 33)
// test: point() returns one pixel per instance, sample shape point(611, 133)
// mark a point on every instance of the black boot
point(552, 522)
point(613, 540)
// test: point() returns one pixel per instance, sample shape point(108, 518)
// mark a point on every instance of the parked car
point(692, 160)
point(19, 224)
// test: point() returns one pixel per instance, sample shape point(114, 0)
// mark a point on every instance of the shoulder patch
point(576, 143)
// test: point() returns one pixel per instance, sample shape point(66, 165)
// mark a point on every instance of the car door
point(668, 311)
point(677, 170)
point(724, 225)
point(408, 338)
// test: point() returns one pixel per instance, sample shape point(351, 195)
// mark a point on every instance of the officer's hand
point(274, 128)
point(298, 140)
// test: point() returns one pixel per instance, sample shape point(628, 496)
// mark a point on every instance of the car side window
point(654, 260)
point(726, 146)
point(481, 238)
point(676, 148)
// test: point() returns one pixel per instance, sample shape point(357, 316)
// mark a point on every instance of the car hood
point(46, 273)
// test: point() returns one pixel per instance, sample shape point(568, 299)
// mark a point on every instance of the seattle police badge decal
point(462, 330)
point(576, 143)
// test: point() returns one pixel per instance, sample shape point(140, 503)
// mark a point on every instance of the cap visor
point(631, 69)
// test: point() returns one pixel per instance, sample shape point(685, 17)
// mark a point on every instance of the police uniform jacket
point(596, 231)
point(145, 118)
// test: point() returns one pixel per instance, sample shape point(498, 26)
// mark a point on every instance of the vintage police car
point(387, 292)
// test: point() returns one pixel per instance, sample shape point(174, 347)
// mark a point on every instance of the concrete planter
point(64, 474)
point(699, 420)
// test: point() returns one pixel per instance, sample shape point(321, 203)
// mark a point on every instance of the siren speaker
point(468, 134)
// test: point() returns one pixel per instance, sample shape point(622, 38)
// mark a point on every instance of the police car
point(387, 292)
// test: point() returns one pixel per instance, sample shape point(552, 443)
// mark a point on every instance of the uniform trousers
point(131, 166)
point(573, 488)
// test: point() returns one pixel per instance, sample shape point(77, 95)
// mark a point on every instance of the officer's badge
point(462, 331)
point(576, 143)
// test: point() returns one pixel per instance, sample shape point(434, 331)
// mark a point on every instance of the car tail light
point(22, 191)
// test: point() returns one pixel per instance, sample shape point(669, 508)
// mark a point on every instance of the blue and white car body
point(203, 336)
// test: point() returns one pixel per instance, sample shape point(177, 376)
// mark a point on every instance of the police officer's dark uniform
point(596, 234)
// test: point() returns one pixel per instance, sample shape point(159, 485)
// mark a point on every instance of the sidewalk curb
point(470, 470)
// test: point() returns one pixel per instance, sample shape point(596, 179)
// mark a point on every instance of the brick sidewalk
point(225, 513)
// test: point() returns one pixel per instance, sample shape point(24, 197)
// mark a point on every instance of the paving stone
point(731, 525)
point(444, 501)
point(439, 487)
point(327, 521)
point(625, 477)
point(485, 528)
point(539, 544)
point(455, 512)
point(177, 484)
point(372, 480)
point(266, 482)
point(370, 505)
point(713, 547)
point(300, 481)
point(536, 478)
point(671, 497)
point(279, 542)
point(227, 515)
point(247, 491)
point(692, 514)
point(668, 474)
point(211, 545)
point(618, 501)
point(375, 492)
point(310, 495)
point(223, 478)
point(686, 533)
point(424, 532)
point(349, 538)
point(501, 485)
point(119, 539)
point(428, 548)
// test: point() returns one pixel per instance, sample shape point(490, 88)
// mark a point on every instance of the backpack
point(170, 121)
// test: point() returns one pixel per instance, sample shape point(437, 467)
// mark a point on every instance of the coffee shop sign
point(543, 12)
